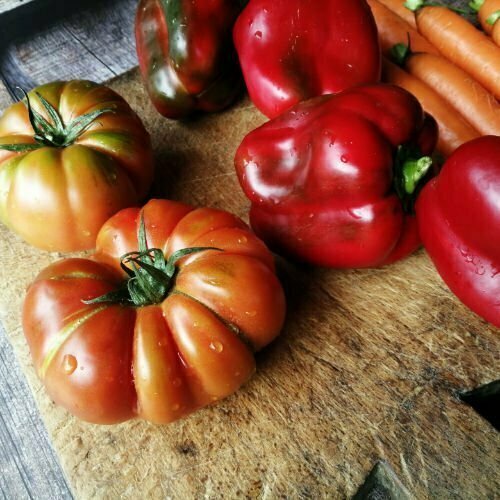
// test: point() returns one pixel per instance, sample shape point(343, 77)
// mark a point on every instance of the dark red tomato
point(174, 333)
point(186, 54)
point(458, 216)
point(292, 50)
point(332, 180)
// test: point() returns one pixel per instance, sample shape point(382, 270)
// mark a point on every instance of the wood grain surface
point(58, 40)
point(28, 464)
point(368, 368)
point(10, 5)
point(365, 377)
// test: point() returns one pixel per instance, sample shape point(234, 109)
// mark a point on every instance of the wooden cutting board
point(368, 367)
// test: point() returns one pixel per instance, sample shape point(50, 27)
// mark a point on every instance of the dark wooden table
point(44, 40)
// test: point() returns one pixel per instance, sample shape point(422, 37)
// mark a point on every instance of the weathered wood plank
point(10, 5)
point(87, 39)
point(28, 465)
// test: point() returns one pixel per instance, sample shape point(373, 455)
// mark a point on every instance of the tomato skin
point(458, 213)
point(45, 194)
point(321, 177)
point(109, 363)
point(186, 55)
point(292, 50)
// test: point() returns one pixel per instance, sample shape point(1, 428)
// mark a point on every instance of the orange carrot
point(488, 14)
point(460, 90)
point(454, 130)
point(398, 7)
point(462, 44)
point(392, 30)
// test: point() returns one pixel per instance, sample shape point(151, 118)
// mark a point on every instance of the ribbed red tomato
point(174, 333)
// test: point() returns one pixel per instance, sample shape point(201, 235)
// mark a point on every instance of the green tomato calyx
point(53, 132)
point(150, 275)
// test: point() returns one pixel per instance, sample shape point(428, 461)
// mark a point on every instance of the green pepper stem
point(414, 171)
point(410, 170)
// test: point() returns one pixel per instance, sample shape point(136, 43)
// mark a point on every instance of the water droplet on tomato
point(177, 382)
point(251, 313)
point(343, 159)
point(69, 364)
point(216, 346)
point(258, 34)
point(176, 407)
point(213, 282)
point(242, 240)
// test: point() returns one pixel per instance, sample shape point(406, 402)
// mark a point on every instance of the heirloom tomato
point(164, 320)
point(71, 155)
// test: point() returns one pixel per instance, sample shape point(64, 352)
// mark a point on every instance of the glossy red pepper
point(186, 54)
point(458, 216)
point(292, 50)
point(324, 177)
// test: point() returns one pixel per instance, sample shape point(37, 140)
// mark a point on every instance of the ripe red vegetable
point(291, 50)
point(330, 180)
point(186, 54)
point(173, 333)
point(458, 216)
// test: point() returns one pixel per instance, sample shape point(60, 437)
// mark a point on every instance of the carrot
point(461, 43)
point(461, 91)
point(392, 30)
point(488, 16)
point(398, 7)
point(454, 130)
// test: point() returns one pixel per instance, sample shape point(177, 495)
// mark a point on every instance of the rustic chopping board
point(368, 368)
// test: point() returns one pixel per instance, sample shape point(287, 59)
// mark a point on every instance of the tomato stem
point(53, 133)
point(150, 274)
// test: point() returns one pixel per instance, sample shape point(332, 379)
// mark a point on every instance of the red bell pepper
point(292, 50)
point(458, 216)
point(186, 54)
point(330, 180)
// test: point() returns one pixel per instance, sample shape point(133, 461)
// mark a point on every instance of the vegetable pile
point(165, 316)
